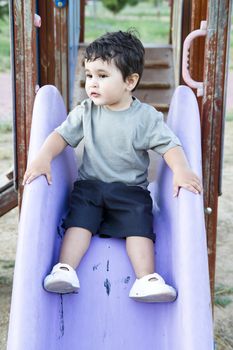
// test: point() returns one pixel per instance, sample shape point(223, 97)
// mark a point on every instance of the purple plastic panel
point(101, 316)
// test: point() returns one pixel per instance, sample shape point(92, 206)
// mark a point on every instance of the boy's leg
point(74, 246)
point(141, 254)
point(149, 286)
point(63, 277)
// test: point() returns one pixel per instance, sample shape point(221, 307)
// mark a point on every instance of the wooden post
point(25, 78)
point(181, 27)
point(171, 4)
point(186, 29)
point(212, 115)
point(82, 21)
point(198, 14)
point(208, 62)
point(53, 38)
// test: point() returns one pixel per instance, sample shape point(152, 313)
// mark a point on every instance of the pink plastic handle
point(37, 21)
point(185, 60)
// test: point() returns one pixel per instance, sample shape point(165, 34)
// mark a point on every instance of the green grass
point(5, 127)
point(152, 24)
point(229, 116)
point(5, 281)
point(223, 296)
point(7, 264)
point(142, 9)
point(4, 45)
point(145, 29)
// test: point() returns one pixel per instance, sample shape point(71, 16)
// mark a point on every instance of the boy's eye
point(102, 76)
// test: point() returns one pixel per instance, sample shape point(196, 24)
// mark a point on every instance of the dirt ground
point(224, 268)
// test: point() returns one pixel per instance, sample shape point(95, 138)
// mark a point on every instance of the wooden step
point(156, 64)
point(160, 107)
point(158, 75)
point(154, 96)
point(153, 85)
point(162, 54)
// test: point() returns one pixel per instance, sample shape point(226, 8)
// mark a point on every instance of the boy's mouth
point(94, 94)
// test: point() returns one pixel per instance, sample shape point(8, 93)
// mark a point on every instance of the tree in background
point(116, 6)
point(156, 2)
point(4, 10)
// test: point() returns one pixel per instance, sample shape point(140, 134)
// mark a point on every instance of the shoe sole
point(158, 298)
point(61, 287)
point(164, 296)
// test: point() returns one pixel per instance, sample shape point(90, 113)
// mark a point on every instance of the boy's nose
point(93, 82)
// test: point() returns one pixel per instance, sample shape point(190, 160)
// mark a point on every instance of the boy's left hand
point(187, 179)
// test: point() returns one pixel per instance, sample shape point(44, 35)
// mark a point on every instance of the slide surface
point(102, 316)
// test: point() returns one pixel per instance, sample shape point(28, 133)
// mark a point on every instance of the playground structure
point(52, 54)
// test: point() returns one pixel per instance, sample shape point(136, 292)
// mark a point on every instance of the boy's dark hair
point(124, 48)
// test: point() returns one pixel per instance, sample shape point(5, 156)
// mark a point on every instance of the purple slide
point(102, 316)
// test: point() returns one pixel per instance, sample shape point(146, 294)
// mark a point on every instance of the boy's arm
point(53, 145)
point(183, 175)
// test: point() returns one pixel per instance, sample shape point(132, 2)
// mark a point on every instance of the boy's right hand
point(37, 167)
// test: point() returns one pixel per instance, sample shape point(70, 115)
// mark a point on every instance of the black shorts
point(111, 209)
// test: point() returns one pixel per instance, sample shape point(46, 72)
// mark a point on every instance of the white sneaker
point(62, 279)
point(152, 289)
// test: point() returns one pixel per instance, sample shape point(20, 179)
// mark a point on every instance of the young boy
point(110, 196)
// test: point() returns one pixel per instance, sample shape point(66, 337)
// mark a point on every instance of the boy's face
point(105, 85)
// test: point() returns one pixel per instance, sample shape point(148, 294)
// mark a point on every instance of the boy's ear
point(131, 81)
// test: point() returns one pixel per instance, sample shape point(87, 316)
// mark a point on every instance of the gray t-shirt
point(116, 142)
